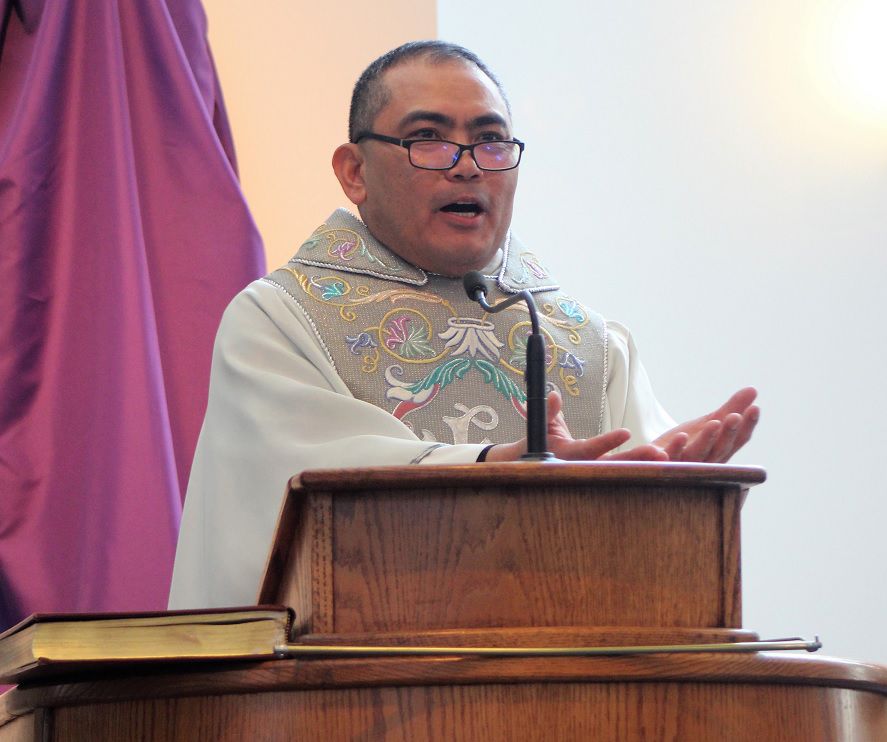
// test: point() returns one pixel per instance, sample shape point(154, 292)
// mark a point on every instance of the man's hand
point(717, 436)
point(711, 438)
point(564, 446)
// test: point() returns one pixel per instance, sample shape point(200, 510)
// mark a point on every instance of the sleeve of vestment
point(276, 407)
point(630, 400)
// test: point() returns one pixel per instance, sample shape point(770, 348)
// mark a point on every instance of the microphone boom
point(476, 287)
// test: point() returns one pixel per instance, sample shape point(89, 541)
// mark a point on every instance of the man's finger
point(676, 445)
point(647, 452)
point(590, 449)
point(553, 405)
point(724, 446)
point(557, 423)
point(739, 402)
point(743, 432)
point(700, 445)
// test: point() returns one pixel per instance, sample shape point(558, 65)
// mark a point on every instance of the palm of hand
point(711, 438)
point(717, 436)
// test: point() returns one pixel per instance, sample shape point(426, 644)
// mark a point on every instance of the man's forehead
point(421, 115)
point(423, 89)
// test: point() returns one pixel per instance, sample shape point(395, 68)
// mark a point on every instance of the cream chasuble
point(350, 357)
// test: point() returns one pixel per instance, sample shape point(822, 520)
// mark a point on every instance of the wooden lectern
point(625, 546)
point(510, 555)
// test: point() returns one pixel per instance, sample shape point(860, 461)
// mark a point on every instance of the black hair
point(370, 94)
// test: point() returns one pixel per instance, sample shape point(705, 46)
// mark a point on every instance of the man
point(364, 350)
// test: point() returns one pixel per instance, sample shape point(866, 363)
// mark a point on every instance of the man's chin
point(459, 260)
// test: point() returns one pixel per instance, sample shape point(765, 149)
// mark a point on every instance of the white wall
point(725, 196)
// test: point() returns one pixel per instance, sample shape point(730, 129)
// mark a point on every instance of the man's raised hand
point(564, 446)
point(717, 436)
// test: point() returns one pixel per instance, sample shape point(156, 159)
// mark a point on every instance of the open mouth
point(463, 208)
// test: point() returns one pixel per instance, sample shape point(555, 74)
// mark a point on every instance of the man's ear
point(348, 167)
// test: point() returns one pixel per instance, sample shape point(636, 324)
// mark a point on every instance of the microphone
point(475, 285)
point(476, 288)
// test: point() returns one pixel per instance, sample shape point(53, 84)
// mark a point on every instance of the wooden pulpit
point(489, 556)
point(591, 547)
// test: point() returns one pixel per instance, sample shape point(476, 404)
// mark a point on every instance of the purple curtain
point(123, 235)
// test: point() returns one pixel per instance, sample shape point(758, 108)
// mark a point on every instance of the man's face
point(411, 210)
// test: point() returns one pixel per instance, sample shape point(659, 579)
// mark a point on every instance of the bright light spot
point(859, 55)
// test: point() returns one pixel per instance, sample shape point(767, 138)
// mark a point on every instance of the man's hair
point(371, 95)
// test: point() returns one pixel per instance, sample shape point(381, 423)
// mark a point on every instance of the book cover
point(44, 643)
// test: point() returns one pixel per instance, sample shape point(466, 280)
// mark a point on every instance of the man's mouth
point(464, 208)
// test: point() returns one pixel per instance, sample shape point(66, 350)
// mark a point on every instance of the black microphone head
point(475, 285)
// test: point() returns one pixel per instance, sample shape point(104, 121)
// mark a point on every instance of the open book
point(42, 644)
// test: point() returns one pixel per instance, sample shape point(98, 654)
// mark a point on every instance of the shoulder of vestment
point(344, 243)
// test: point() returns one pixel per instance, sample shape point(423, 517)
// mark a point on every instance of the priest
point(364, 350)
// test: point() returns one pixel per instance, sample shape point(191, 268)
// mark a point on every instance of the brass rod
point(310, 650)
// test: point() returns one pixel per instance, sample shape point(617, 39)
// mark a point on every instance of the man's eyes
point(424, 134)
point(486, 136)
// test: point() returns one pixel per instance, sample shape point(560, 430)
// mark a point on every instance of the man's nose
point(465, 166)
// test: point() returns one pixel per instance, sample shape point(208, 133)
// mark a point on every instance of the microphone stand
point(537, 418)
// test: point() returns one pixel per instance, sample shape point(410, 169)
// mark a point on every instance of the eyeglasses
point(439, 154)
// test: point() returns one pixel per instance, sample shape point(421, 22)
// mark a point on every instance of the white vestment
point(277, 406)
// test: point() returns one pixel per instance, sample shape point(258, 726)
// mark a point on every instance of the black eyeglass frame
point(408, 143)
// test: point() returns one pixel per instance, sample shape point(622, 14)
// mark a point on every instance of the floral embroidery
point(359, 342)
point(518, 357)
point(411, 396)
point(517, 341)
point(343, 245)
point(576, 317)
point(502, 382)
point(364, 342)
point(407, 335)
point(572, 362)
point(571, 308)
point(343, 250)
point(312, 242)
point(472, 336)
point(330, 288)
point(440, 377)
point(529, 263)
point(409, 350)
point(360, 296)
point(407, 338)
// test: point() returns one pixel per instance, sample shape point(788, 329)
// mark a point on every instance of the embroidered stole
point(413, 344)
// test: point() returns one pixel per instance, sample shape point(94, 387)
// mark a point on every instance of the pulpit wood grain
point(528, 557)
point(756, 698)
point(474, 546)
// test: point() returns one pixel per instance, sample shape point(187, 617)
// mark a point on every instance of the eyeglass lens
point(442, 155)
